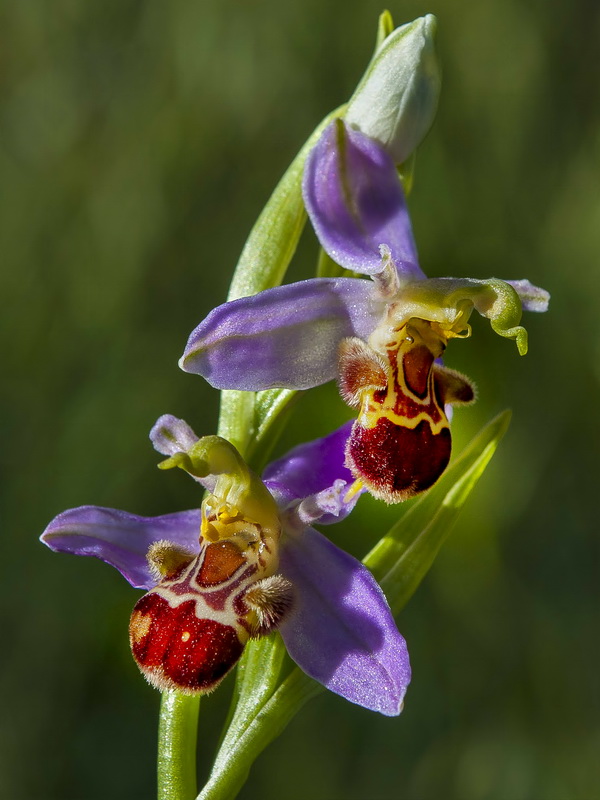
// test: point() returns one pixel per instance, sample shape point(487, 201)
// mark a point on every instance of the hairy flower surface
point(382, 338)
point(246, 563)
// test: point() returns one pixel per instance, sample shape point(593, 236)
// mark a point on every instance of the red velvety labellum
point(190, 630)
point(186, 634)
point(396, 462)
point(401, 443)
point(175, 649)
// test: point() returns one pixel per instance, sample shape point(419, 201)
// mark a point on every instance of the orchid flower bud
point(396, 100)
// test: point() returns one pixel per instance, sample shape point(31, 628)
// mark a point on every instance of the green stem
point(177, 735)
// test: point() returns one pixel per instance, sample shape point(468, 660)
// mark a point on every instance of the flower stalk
point(177, 737)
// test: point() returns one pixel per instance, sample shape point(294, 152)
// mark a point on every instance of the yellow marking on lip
point(185, 636)
point(370, 418)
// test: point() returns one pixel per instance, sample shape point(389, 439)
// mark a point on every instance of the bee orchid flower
point(246, 563)
point(381, 337)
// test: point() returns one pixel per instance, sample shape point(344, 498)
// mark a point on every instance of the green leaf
point(272, 410)
point(256, 675)
point(256, 682)
point(403, 557)
point(264, 415)
point(235, 415)
point(263, 263)
point(327, 267)
point(239, 752)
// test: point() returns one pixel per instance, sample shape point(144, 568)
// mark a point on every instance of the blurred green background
point(138, 142)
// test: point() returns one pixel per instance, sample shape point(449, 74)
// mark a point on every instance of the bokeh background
point(138, 142)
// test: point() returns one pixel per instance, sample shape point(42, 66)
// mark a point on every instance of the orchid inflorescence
point(248, 562)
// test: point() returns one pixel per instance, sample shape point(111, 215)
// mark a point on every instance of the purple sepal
point(313, 466)
point(119, 538)
point(356, 203)
point(341, 631)
point(532, 297)
point(285, 337)
point(316, 474)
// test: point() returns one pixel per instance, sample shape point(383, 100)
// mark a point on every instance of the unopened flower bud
point(396, 100)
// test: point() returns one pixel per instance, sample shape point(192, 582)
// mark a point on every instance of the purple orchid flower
point(246, 562)
point(382, 338)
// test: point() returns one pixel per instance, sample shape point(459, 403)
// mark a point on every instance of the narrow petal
point(284, 337)
point(119, 538)
point(532, 297)
point(341, 630)
point(326, 507)
point(450, 301)
point(356, 204)
point(171, 435)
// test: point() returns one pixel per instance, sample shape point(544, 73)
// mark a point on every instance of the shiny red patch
point(177, 650)
point(395, 462)
point(417, 363)
point(221, 561)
